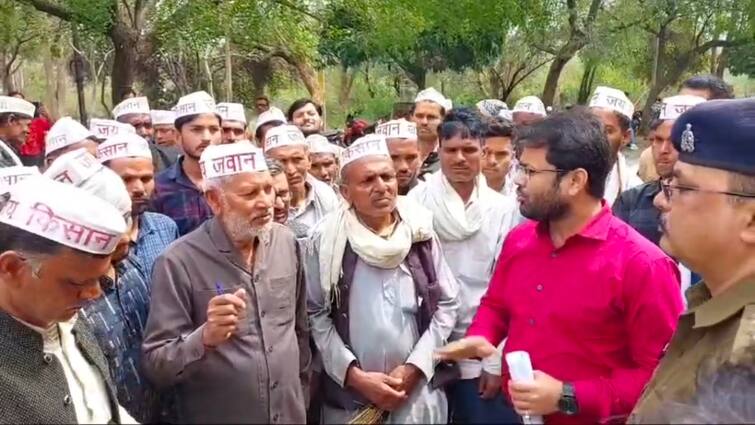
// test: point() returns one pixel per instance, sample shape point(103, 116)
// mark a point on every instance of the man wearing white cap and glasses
point(472, 221)
point(401, 139)
point(368, 264)
point(68, 135)
point(15, 116)
point(135, 111)
point(614, 109)
point(273, 117)
point(528, 110)
point(55, 245)
point(228, 322)
point(430, 106)
point(163, 123)
point(129, 156)
point(178, 191)
point(311, 199)
point(324, 158)
point(233, 121)
point(119, 316)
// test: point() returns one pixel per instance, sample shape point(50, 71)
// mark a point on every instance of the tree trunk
point(723, 63)
point(308, 76)
point(228, 70)
point(78, 74)
point(347, 82)
point(554, 73)
point(585, 86)
point(125, 58)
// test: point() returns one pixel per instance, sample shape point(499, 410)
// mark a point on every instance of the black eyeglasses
point(527, 172)
point(668, 190)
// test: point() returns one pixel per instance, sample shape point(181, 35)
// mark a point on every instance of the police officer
point(708, 221)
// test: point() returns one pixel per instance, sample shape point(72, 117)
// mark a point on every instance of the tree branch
point(530, 71)
point(593, 12)
point(571, 6)
point(295, 7)
point(129, 13)
point(718, 43)
point(51, 9)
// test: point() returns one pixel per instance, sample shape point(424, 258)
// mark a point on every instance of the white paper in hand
point(520, 369)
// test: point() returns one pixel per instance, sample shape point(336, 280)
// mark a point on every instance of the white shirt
point(321, 200)
point(620, 178)
point(85, 384)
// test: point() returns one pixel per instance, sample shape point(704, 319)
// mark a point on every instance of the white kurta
point(620, 178)
point(383, 330)
point(85, 384)
point(472, 262)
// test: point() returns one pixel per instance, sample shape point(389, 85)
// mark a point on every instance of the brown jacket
point(260, 374)
point(711, 333)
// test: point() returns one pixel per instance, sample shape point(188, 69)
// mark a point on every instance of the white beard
point(238, 227)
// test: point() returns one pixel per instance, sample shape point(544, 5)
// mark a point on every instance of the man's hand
point(409, 375)
point(466, 348)
point(490, 385)
point(536, 398)
point(223, 314)
point(378, 388)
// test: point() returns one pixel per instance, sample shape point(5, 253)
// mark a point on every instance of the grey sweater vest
point(33, 387)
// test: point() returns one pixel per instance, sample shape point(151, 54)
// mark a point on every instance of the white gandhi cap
point(284, 135)
point(675, 106)
point(195, 103)
point(432, 95)
point(10, 176)
point(15, 105)
point(612, 99)
point(133, 105)
point(64, 214)
point(231, 112)
point(531, 104)
point(102, 129)
point(124, 146)
point(369, 145)
point(161, 117)
point(397, 129)
point(65, 132)
point(233, 158)
point(271, 115)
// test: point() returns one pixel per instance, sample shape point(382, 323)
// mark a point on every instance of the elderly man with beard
point(51, 367)
point(228, 326)
point(472, 221)
point(178, 191)
point(592, 301)
point(311, 199)
point(151, 233)
point(381, 297)
point(401, 138)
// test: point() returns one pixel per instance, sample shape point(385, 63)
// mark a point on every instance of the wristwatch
point(567, 404)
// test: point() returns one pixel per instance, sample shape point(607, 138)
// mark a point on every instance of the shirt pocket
point(282, 293)
point(202, 299)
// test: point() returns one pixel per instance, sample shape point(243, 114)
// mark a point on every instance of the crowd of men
point(191, 266)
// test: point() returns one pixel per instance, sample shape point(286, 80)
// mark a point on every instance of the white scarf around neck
point(452, 219)
point(414, 225)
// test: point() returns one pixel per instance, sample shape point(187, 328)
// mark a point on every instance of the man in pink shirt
point(592, 301)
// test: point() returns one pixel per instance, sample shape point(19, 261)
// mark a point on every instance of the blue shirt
point(118, 318)
point(156, 232)
point(178, 198)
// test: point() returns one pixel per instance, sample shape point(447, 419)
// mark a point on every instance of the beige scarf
point(415, 225)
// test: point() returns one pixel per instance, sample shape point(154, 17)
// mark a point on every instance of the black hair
point(180, 122)
point(16, 93)
point(263, 97)
point(37, 109)
point(462, 122)
point(574, 139)
point(655, 124)
point(624, 121)
point(14, 239)
point(498, 127)
point(414, 107)
point(300, 103)
point(717, 87)
point(6, 118)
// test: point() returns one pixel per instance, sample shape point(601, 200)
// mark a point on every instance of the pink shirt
point(597, 312)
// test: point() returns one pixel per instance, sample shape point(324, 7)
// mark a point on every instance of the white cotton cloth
point(619, 179)
point(343, 226)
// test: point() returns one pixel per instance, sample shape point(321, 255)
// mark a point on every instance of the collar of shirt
point(710, 311)
point(597, 228)
point(176, 173)
point(296, 212)
point(223, 243)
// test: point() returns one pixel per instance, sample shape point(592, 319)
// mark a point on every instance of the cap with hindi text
point(102, 129)
point(132, 105)
point(14, 105)
point(369, 145)
point(320, 144)
point(124, 146)
point(284, 135)
point(64, 214)
point(229, 159)
point(674, 106)
point(612, 99)
point(65, 132)
point(10, 176)
point(718, 134)
point(531, 104)
point(397, 129)
point(196, 103)
point(231, 111)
